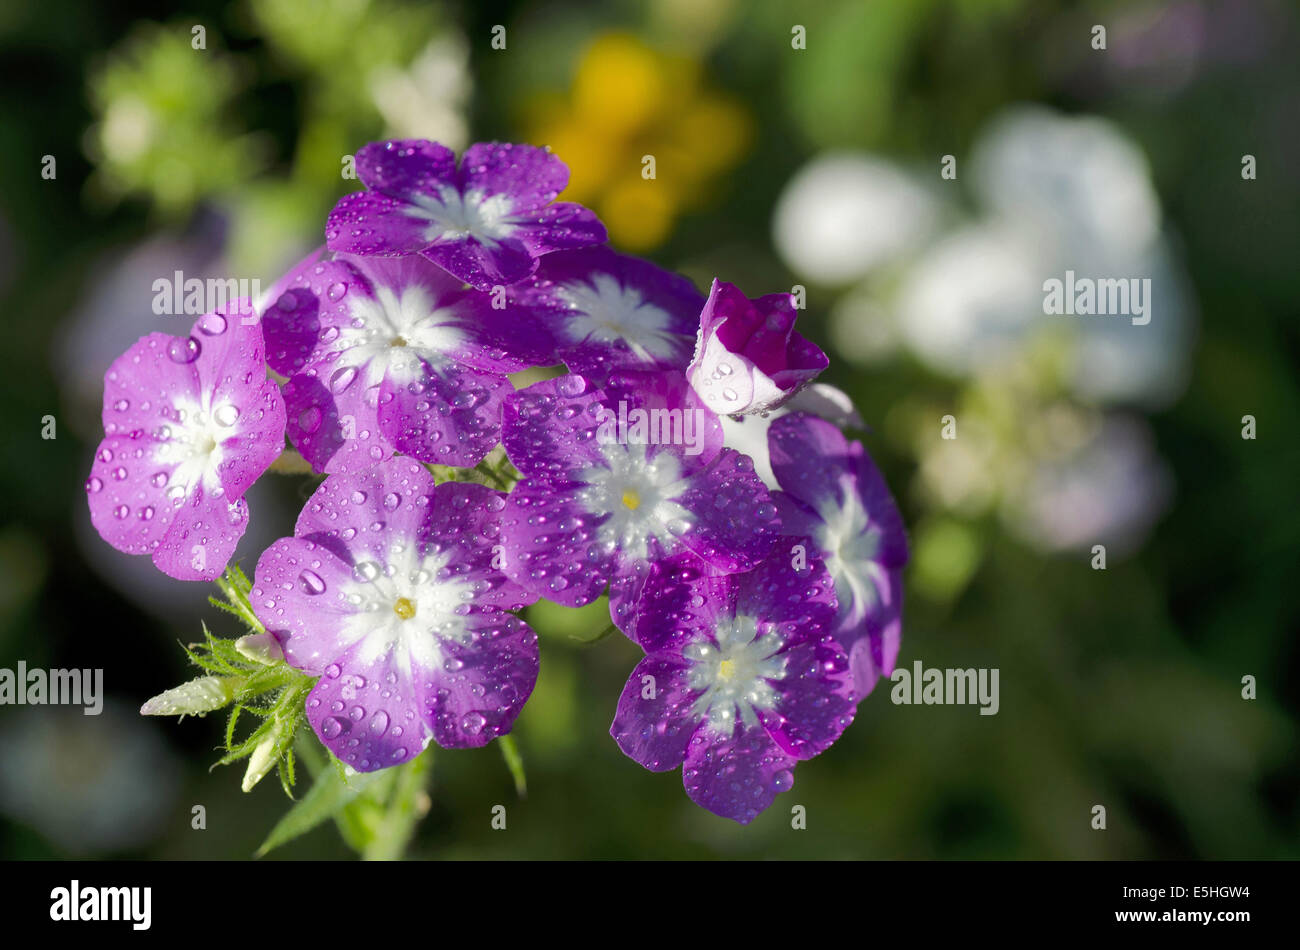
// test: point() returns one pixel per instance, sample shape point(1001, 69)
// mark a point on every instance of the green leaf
point(515, 763)
point(328, 796)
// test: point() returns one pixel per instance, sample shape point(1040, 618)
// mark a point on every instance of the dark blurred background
point(776, 166)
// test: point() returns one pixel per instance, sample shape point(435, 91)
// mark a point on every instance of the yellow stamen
point(726, 669)
point(404, 608)
point(631, 499)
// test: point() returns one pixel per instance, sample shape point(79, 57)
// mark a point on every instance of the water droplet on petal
point(213, 324)
point(184, 350)
point(342, 378)
point(311, 583)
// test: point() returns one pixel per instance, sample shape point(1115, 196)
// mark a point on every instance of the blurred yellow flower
point(629, 102)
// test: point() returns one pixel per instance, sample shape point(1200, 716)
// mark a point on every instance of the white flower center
point(638, 495)
point(452, 215)
point(405, 609)
point(193, 444)
point(851, 543)
point(734, 676)
point(604, 311)
point(391, 334)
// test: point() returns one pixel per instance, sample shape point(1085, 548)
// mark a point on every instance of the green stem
point(515, 763)
point(406, 806)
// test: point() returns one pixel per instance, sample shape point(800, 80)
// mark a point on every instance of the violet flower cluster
point(765, 614)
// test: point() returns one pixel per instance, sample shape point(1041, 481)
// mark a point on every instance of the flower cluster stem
point(408, 803)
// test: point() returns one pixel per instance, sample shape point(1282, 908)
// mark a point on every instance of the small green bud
point(262, 760)
point(195, 697)
point(260, 648)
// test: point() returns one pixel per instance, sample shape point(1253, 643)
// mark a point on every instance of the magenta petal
point(373, 224)
point(450, 414)
point(874, 654)
point(256, 440)
point(202, 536)
point(399, 167)
point(736, 777)
point(682, 601)
point(735, 522)
point(368, 713)
point(467, 519)
point(816, 704)
point(292, 327)
point(551, 547)
point(559, 227)
point(142, 384)
point(482, 266)
point(361, 514)
point(609, 311)
point(336, 432)
point(549, 429)
point(531, 176)
point(484, 682)
point(129, 506)
point(298, 595)
point(840, 467)
point(654, 722)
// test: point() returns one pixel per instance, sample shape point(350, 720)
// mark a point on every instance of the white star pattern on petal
point(601, 310)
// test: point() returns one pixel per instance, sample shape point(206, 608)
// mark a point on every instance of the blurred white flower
point(427, 101)
point(1109, 491)
point(1077, 183)
point(1114, 361)
point(1061, 193)
point(969, 302)
point(844, 214)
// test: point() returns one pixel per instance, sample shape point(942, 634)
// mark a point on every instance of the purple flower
point(189, 424)
point(608, 311)
point(393, 355)
point(486, 223)
point(747, 356)
point(387, 591)
point(834, 494)
point(740, 680)
point(617, 478)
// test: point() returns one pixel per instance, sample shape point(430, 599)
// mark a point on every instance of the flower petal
point(736, 777)
point(299, 595)
point(816, 703)
point(373, 224)
point(484, 682)
point(483, 267)
point(369, 712)
point(562, 226)
point(203, 534)
point(399, 167)
point(654, 721)
point(532, 177)
point(449, 414)
point(551, 545)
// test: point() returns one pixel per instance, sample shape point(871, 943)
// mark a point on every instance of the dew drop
point(213, 324)
point(342, 378)
point(311, 583)
point(184, 351)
